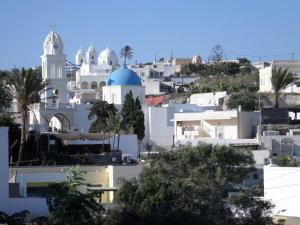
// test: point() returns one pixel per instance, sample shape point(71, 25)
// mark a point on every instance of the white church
point(165, 125)
point(102, 76)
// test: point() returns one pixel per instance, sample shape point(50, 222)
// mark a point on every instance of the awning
point(80, 136)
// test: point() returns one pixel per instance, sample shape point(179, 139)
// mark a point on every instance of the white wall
point(152, 87)
point(12, 205)
point(282, 187)
point(117, 173)
point(248, 122)
point(116, 93)
point(82, 122)
point(161, 128)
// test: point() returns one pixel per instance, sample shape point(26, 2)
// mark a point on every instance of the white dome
point(91, 49)
point(107, 53)
point(108, 56)
point(196, 59)
point(53, 44)
point(79, 52)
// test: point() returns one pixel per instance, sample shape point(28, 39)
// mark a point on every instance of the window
point(255, 176)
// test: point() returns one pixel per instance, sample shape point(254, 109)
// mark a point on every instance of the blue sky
point(266, 28)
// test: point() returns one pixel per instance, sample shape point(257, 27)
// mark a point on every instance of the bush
point(285, 161)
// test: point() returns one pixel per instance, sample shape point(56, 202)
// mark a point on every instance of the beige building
point(179, 62)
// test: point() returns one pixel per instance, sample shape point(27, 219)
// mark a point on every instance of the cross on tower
point(52, 26)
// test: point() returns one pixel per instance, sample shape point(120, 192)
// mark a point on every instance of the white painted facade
point(116, 93)
point(107, 176)
point(230, 125)
point(93, 73)
point(207, 99)
point(54, 69)
point(265, 74)
point(281, 187)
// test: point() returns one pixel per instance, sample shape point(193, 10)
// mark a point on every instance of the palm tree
point(126, 53)
point(26, 86)
point(6, 98)
point(113, 123)
point(280, 80)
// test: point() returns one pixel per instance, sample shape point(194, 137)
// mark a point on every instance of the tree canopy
point(281, 79)
point(126, 53)
point(216, 54)
point(247, 100)
point(27, 87)
point(100, 112)
point(133, 116)
point(194, 185)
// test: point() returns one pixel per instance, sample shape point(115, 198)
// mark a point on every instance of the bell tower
point(54, 68)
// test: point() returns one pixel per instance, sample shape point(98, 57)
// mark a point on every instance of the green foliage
point(6, 96)
point(249, 208)
point(247, 100)
point(216, 54)
point(67, 205)
point(285, 161)
point(26, 86)
point(139, 125)
point(246, 83)
point(227, 68)
point(193, 185)
point(280, 80)
point(100, 111)
point(14, 132)
point(18, 218)
point(75, 176)
point(133, 116)
point(114, 125)
point(126, 53)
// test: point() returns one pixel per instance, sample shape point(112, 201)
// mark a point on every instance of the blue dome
point(123, 76)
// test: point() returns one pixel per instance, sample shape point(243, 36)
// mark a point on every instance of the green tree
point(14, 133)
point(18, 218)
point(216, 54)
point(139, 125)
point(194, 185)
point(133, 116)
point(6, 97)
point(246, 100)
point(26, 86)
point(280, 80)
point(285, 161)
point(126, 53)
point(67, 205)
point(113, 122)
point(128, 112)
point(100, 112)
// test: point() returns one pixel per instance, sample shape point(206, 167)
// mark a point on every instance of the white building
point(265, 74)
point(54, 69)
point(21, 192)
point(93, 73)
point(120, 83)
point(208, 99)
point(221, 127)
point(281, 187)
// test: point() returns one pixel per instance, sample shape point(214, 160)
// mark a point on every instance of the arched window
point(84, 85)
point(94, 85)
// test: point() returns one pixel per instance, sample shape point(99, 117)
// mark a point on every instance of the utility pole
point(293, 54)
